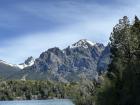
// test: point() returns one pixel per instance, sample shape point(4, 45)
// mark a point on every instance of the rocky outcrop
point(71, 63)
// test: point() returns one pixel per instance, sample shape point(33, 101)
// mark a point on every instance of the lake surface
point(38, 102)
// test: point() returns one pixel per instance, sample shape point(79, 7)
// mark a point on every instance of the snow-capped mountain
point(69, 64)
point(8, 64)
point(27, 63)
point(83, 43)
point(81, 58)
point(7, 70)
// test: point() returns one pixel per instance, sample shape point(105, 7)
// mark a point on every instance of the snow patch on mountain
point(83, 43)
point(29, 62)
point(4, 62)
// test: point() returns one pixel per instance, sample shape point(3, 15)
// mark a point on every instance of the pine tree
point(124, 70)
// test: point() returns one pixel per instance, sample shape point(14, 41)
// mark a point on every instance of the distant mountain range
point(83, 59)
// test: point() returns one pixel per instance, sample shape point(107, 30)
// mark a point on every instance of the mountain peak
point(83, 43)
point(28, 62)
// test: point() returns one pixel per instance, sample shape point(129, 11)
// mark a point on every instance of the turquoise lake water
point(38, 102)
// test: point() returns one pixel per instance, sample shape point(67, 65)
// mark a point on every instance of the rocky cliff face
point(77, 61)
point(28, 62)
point(82, 59)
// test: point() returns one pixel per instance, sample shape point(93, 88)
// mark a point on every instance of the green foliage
point(86, 93)
point(124, 70)
point(31, 90)
point(81, 93)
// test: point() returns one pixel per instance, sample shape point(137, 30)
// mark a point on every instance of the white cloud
point(90, 21)
point(35, 43)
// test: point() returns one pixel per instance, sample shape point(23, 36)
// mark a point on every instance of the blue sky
point(29, 27)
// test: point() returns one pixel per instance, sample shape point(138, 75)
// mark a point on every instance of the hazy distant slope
point(7, 71)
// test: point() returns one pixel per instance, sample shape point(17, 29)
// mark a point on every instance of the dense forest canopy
point(124, 71)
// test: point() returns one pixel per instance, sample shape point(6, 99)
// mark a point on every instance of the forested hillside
point(122, 83)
